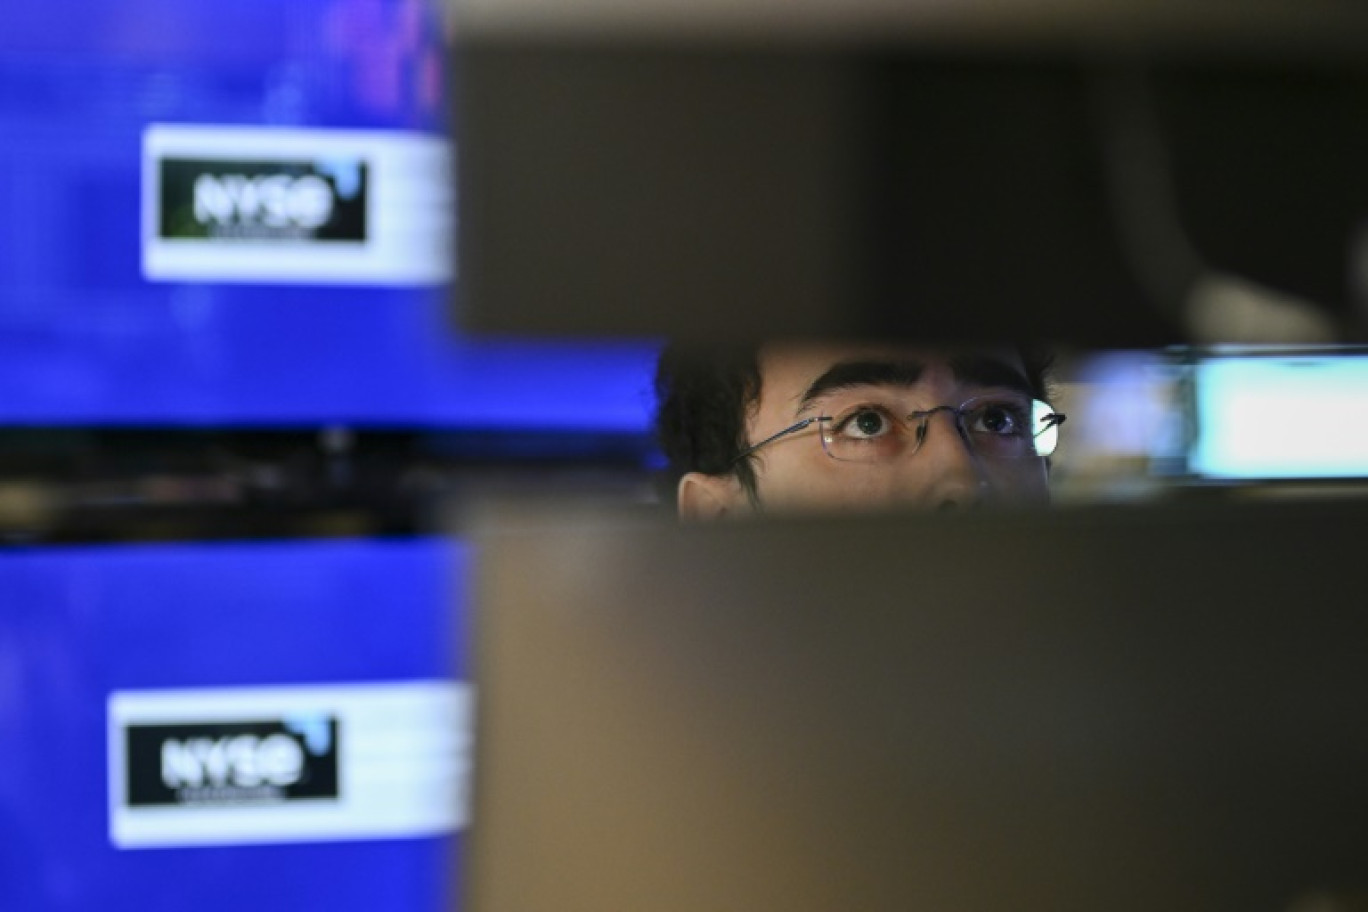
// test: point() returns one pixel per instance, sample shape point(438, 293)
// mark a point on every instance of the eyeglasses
point(1000, 426)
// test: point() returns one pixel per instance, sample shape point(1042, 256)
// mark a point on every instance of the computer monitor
point(1111, 709)
point(1279, 415)
point(238, 216)
point(1179, 186)
point(217, 725)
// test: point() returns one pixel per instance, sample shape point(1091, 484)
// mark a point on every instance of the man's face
point(855, 385)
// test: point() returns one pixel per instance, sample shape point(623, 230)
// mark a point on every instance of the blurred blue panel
point(78, 623)
point(86, 339)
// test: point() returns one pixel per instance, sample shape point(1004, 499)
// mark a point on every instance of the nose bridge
point(957, 478)
point(956, 422)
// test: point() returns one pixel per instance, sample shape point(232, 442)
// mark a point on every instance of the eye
point(865, 423)
point(1000, 419)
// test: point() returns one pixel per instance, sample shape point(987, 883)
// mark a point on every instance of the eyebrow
point(976, 370)
point(848, 374)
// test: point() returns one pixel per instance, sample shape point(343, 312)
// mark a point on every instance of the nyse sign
point(243, 762)
point(239, 765)
point(263, 200)
point(274, 200)
point(302, 205)
point(234, 763)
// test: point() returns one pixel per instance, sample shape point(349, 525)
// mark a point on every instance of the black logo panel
point(321, 200)
point(232, 762)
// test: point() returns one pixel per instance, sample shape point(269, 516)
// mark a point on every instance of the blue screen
point(93, 332)
point(80, 624)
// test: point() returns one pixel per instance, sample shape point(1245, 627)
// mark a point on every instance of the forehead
point(788, 370)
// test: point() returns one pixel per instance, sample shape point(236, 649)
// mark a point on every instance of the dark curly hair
point(704, 397)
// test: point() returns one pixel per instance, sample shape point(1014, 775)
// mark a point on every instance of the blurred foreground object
point(1109, 709)
point(1107, 175)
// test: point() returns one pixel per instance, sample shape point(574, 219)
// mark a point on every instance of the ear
point(704, 497)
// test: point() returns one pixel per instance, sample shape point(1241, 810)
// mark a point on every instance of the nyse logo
point(271, 200)
point(263, 200)
point(232, 762)
point(240, 761)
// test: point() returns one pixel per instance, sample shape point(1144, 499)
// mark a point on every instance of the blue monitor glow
point(271, 725)
point(237, 214)
point(1283, 416)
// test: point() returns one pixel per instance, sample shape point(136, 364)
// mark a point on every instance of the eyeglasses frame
point(1055, 420)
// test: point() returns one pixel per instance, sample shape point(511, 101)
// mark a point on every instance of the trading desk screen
point(241, 213)
point(223, 726)
point(1281, 415)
